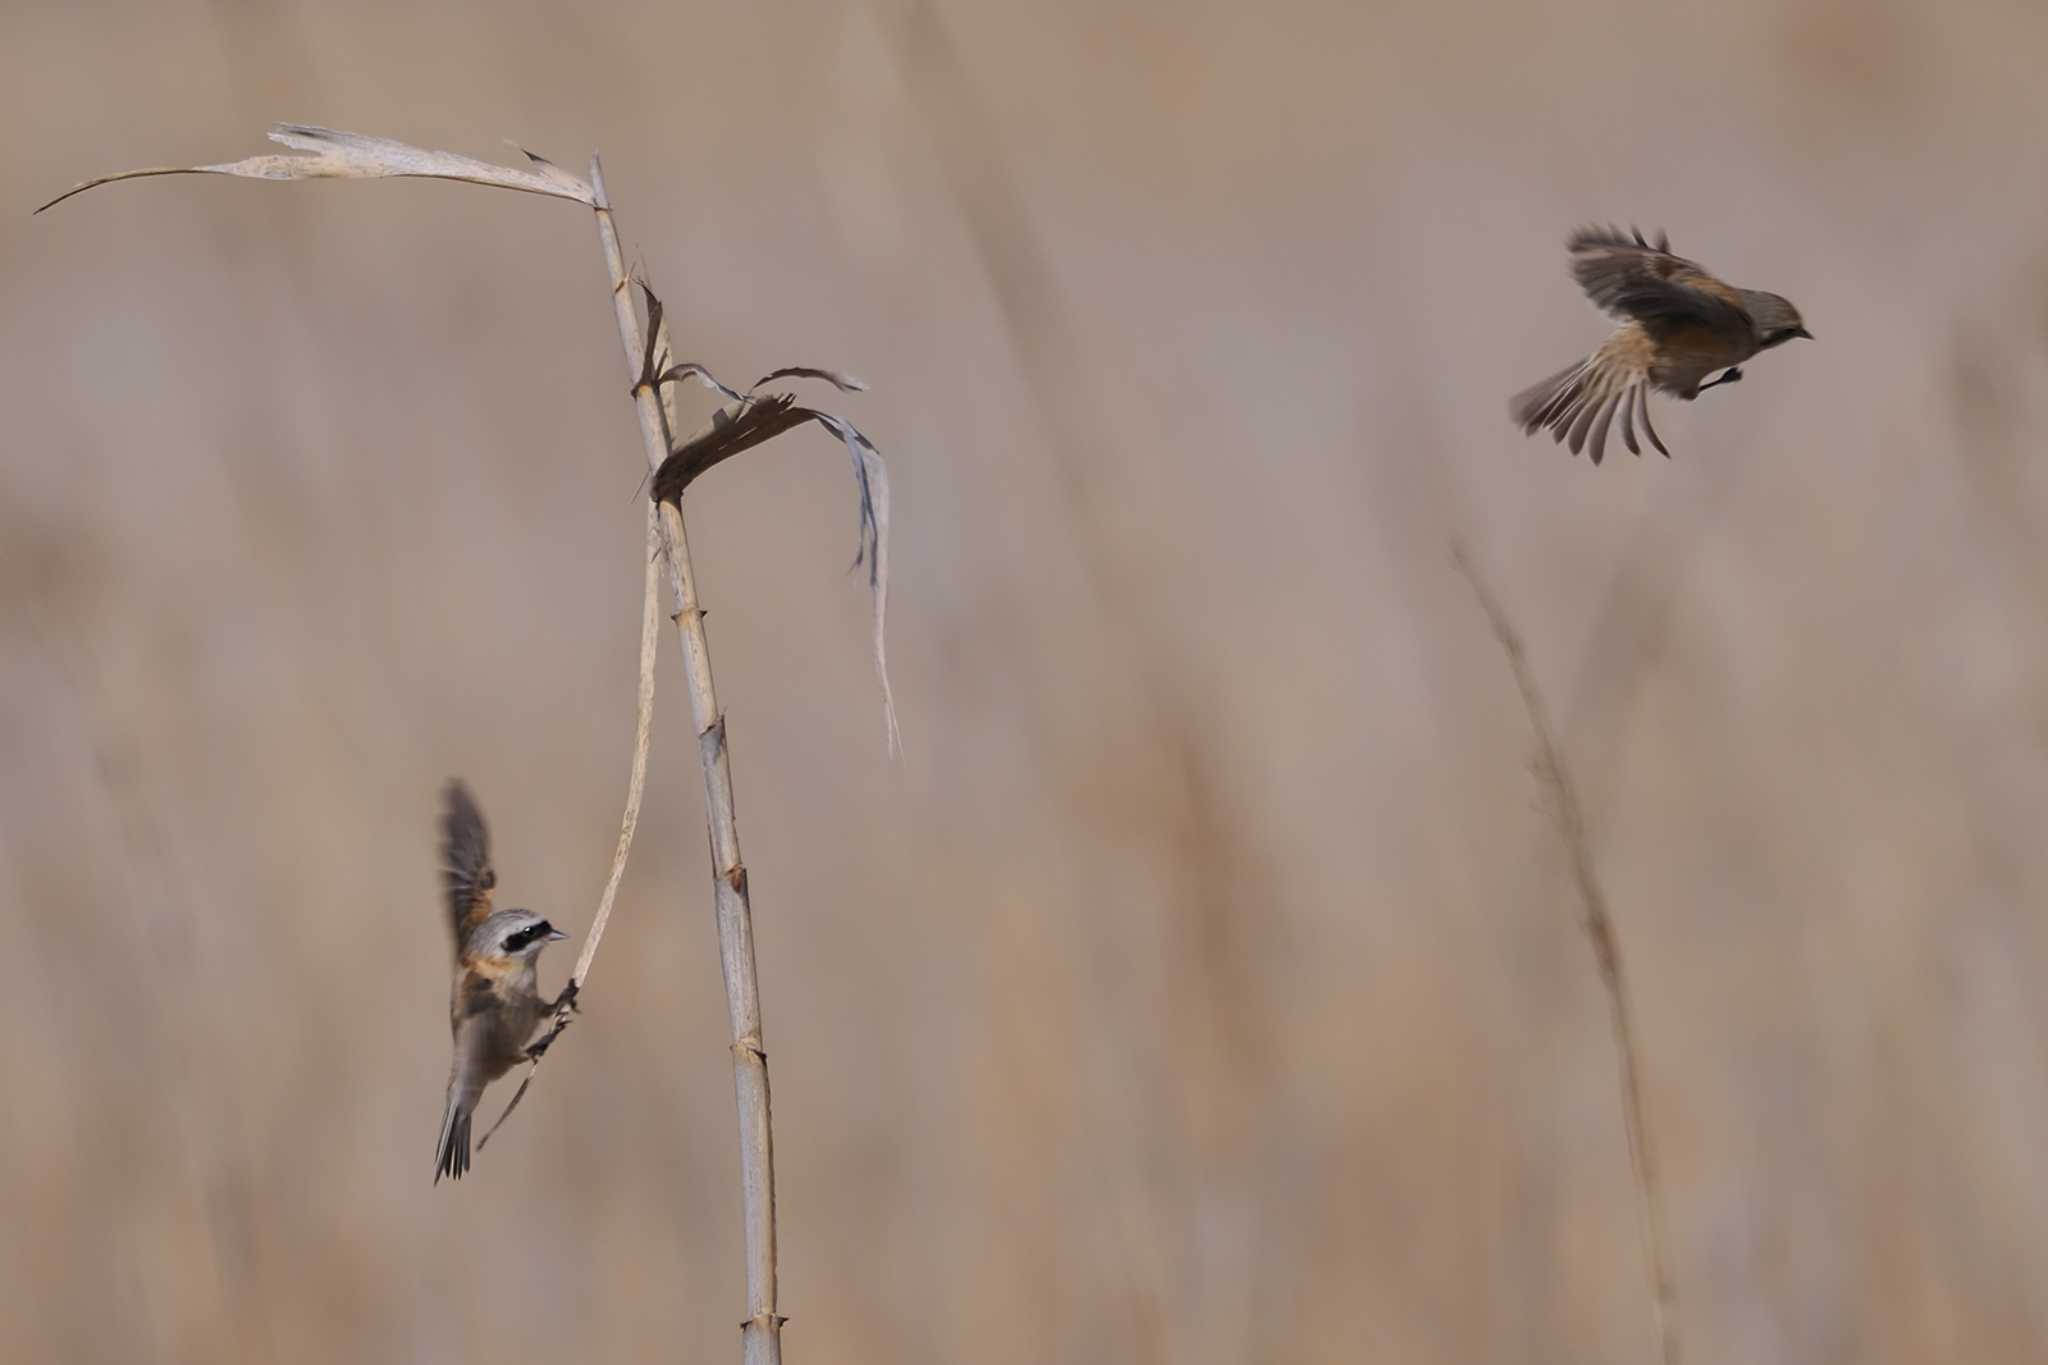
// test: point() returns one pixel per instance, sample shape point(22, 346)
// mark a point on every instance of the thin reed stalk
point(761, 1331)
point(1598, 924)
point(629, 822)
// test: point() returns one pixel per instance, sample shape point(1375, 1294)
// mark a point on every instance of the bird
point(495, 1003)
point(1679, 324)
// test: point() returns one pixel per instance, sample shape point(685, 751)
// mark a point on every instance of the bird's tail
point(1580, 400)
point(451, 1154)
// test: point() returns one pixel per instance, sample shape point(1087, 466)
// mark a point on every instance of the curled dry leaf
point(329, 154)
point(873, 477)
point(731, 431)
point(692, 370)
point(657, 347)
point(748, 422)
point(845, 383)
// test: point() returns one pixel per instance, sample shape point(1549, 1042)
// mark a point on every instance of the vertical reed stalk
point(761, 1332)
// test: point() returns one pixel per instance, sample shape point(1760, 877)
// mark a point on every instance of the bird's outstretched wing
point(465, 861)
point(1630, 278)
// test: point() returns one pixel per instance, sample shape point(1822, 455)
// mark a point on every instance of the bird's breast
point(1686, 355)
point(1704, 348)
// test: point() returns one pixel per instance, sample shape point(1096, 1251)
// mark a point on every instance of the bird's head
point(511, 938)
point(1776, 320)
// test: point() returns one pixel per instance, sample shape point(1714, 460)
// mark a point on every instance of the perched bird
point(1679, 325)
point(496, 1004)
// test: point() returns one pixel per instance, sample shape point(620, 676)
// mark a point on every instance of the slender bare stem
point(636, 787)
point(761, 1331)
point(1599, 927)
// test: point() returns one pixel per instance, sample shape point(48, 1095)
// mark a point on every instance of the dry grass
point(1194, 989)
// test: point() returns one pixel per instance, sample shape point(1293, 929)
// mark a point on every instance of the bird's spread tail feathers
point(451, 1155)
point(1580, 401)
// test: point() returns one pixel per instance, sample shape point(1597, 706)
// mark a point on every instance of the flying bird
point(495, 1005)
point(1678, 325)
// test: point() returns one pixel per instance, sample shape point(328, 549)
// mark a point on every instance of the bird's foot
point(538, 1048)
point(1732, 375)
point(568, 997)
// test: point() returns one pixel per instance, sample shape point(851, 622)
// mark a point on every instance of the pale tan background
point(1202, 987)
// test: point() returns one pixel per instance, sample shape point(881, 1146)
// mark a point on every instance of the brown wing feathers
point(1630, 278)
point(465, 862)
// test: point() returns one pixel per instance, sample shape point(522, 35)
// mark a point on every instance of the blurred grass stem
point(1599, 927)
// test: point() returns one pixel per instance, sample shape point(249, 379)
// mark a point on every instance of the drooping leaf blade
point(845, 383)
point(331, 154)
point(756, 420)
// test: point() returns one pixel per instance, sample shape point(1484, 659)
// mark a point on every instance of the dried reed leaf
point(657, 334)
point(730, 432)
point(873, 477)
point(330, 154)
point(548, 170)
point(692, 370)
point(654, 331)
point(845, 383)
point(755, 420)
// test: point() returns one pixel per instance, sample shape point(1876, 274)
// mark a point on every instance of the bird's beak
point(1802, 332)
point(556, 936)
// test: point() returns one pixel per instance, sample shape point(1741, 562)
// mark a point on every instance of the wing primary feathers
point(1628, 426)
point(465, 860)
point(1662, 244)
point(1625, 275)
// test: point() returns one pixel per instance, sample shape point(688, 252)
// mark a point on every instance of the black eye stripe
point(521, 939)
